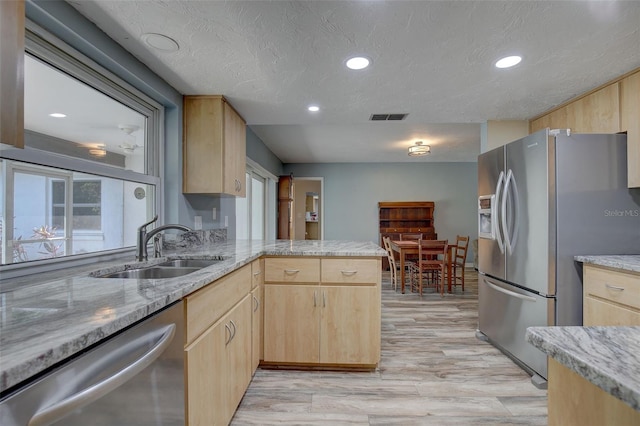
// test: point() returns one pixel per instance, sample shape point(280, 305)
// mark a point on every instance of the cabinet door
point(238, 354)
point(629, 112)
point(235, 140)
point(206, 382)
point(350, 325)
point(256, 328)
point(12, 73)
point(291, 323)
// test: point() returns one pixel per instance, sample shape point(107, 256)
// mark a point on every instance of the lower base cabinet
point(325, 313)
point(218, 363)
point(573, 400)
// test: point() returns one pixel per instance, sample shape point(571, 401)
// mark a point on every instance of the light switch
point(214, 213)
point(197, 223)
point(226, 221)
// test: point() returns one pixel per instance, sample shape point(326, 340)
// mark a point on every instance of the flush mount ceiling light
point(313, 108)
point(508, 62)
point(160, 42)
point(419, 149)
point(57, 115)
point(358, 63)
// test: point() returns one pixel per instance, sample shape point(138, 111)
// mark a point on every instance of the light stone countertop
point(608, 357)
point(46, 318)
point(623, 262)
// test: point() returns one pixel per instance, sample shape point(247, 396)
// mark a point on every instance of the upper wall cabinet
point(12, 73)
point(598, 112)
point(630, 122)
point(613, 108)
point(214, 147)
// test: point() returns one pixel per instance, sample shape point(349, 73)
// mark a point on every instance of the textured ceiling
point(431, 59)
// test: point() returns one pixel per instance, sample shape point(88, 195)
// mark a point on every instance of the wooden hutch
point(405, 217)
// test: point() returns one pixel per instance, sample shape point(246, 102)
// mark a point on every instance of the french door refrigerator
point(542, 200)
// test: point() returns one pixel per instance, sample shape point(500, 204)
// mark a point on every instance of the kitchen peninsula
point(594, 370)
point(72, 312)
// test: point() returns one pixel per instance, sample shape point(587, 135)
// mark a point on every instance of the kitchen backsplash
point(195, 238)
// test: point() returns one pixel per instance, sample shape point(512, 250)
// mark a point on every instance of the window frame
point(44, 46)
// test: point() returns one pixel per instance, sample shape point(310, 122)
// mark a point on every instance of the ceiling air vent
point(387, 117)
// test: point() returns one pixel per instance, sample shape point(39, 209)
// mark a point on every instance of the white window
point(89, 172)
point(255, 214)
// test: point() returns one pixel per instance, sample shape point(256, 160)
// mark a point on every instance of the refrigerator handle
point(499, 233)
point(516, 211)
point(509, 292)
point(503, 212)
point(510, 240)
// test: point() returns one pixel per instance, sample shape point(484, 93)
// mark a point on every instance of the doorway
point(308, 208)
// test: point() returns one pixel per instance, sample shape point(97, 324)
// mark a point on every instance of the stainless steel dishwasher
point(133, 378)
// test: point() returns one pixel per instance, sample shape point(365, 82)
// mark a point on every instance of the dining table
point(409, 247)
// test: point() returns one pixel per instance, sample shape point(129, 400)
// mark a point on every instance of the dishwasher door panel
point(133, 378)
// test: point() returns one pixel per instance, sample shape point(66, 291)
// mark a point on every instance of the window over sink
point(90, 170)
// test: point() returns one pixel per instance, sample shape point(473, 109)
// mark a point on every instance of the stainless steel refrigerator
point(542, 200)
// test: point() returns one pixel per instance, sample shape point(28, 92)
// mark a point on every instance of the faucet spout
point(144, 236)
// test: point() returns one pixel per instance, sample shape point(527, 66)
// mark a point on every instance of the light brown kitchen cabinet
point(12, 17)
point(257, 313)
point(218, 348)
point(630, 123)
point(610, 297)
point(213, 147)
point(322, 311)
point(612, 108)
point(573, 400)
point(598, 112)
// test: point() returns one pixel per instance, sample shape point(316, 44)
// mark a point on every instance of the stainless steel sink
point(189, 263)
point(168, 269)
point(152, 272)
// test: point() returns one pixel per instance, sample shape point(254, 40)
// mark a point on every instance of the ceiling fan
point(127, 147)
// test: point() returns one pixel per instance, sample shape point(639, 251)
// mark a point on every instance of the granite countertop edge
point(628, 262)
point(21, 361)
point(608, 357)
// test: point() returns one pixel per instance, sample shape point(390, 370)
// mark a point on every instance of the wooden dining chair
point(394, 266)
point(459, 260)
point(431, 265)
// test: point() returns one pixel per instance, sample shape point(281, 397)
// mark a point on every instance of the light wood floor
point(433, 371)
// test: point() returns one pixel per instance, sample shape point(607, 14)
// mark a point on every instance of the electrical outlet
point(214, 213)
point(197, 223)
point(226, 221)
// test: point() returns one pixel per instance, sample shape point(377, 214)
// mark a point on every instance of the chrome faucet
point(144, 236)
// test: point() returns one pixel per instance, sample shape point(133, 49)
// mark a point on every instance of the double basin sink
point(168, 269)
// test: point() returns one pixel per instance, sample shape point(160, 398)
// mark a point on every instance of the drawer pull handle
point(257, 304)
point(291, 271)
point(349, 273)
point(613, 287)
point(315, 295)
point(255, 274)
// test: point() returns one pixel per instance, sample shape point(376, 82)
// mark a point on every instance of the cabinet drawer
point(257, 272)
point(599, 312)
point(617, 287)
point(292, 269)
point(208, 304)
point(351, 270)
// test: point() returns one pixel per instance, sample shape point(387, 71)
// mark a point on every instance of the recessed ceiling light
point(313, 108)
point(160, 42)
point(57, 115)
point(358, 63)
point(508, 62)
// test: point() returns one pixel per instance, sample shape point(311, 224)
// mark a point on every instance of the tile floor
point(433, 371)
